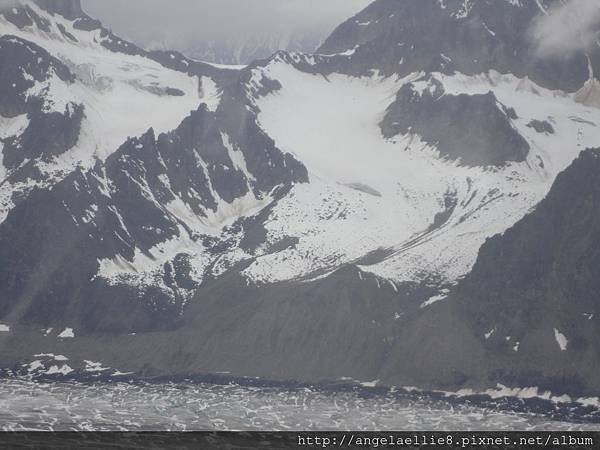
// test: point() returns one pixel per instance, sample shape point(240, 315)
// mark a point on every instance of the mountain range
point(244, 49)
point(415, 204)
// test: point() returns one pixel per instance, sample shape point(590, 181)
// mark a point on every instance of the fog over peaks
point(568, 27)
point(7, 3)
point(188, 24)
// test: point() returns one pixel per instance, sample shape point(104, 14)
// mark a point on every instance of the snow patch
point(13, 126)
point(63, 370)
point(210, 94)
point(118, 373)
point(146, 267)
point(52, 355)
point(35, 365)
point(589, 401)
point(237, 157)
point(434, 299)
point(502, 391)
point(67, 333)
point(561, 340)
point(91, 366)
point(332, 126)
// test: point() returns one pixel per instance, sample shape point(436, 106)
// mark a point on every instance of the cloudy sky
point(185, 21)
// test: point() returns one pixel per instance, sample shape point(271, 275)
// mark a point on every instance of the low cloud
point(570, 26)
point(186, 21)
point(7, 4)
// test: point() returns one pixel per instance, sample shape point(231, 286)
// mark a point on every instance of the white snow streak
point(561, 340)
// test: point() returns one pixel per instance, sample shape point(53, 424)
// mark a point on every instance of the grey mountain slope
point(24, 16)
point(106, 212)
point(48, 133)
point(457, 124)
point(397, 36)
point(530, 286)
point(46, 136)
point(23, 64)
point(342, 326)
point(121, 206)
point(548, 278)
point(70, 9)
point(310, 331)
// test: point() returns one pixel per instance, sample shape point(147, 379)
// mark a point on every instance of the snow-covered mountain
point(242, 50)
point(179, 217)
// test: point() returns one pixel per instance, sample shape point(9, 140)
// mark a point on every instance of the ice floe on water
point(26, 405)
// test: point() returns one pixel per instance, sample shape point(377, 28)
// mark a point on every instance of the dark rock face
point(87, 24)
point(406, 36)
point(118, 207)
point(238, 115)
point(47, 135)
point(46, 285)
point(65, 33)
point(473, 129)
point(22, 63)
point(540, 278)
point(69, 9)
point(117, 45)
point(62, 247)
point(23, 16)
point(541, 126)
point(527, 314)
point(17, 16)
point(546, 265)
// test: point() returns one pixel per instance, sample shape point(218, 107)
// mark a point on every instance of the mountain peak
point(451, 36)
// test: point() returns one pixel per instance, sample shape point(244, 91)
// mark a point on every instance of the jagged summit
point(407, 36)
